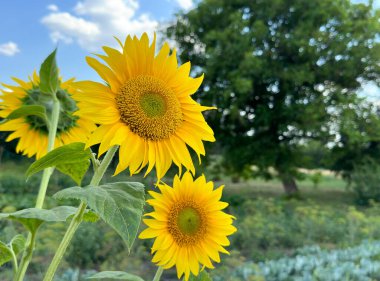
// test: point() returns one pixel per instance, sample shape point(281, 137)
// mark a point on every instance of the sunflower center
point(67, 106)
point(188, 220)
point(153, 105)
point(149, 108)
point(187, 223)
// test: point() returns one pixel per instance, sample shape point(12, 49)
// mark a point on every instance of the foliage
point(119, 204)
point(365, 181)
point(278, 71)
point(358, 125)
point(316, 178)
point(90, 246)
point(270, 228)
point(71, 159)
point(358, 263)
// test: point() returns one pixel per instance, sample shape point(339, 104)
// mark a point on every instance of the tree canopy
point(278, 71)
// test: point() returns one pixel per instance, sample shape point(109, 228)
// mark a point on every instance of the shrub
point(365, 181)
point(268, 229)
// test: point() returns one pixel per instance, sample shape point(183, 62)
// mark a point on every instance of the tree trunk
point(289, 184)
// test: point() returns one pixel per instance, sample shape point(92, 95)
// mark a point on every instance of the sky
point(30, 30)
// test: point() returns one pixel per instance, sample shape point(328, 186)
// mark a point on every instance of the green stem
point(158, 274)
point(28, 253)
point(14, 263)
point(78, 217)
point(26, 258)
point(51, 141)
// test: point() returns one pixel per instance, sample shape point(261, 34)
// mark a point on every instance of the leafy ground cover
point(271, 230)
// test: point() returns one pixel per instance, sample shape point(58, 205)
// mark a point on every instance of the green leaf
point(5, 253)
point(90, 216)
point(17, 244)
point(33, 218)
point(119, 204)
point(27, 110)
point(76, 172)
point(202, 276)
point(49, 79)
point(71, 159)
point(119, 275)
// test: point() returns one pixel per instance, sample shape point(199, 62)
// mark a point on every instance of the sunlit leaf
point(49, 80)
point(27, 110)
point(17, 244)
point(71, 159)
point(118, 204)
point(33, 218)
point(5, 253)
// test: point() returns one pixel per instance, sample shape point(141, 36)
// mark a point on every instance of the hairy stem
point(51, 141)
point(26, 258)
point(28, 253)
point(78, 218)
point(158, 274)
point(14, 263)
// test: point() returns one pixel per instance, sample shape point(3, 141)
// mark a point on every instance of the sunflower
point(189, 225)
point(32, 131)
point(145, 107)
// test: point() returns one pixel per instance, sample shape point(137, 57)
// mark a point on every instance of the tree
point(358, 127)
point(278, 70)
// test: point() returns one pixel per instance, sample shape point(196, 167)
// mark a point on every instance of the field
point(270, 227)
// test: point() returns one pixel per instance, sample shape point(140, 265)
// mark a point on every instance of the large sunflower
point(145, 107)
point(188, 224)
point(32, 131)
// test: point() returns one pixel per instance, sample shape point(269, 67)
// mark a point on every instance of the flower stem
point(14, 263)
point(28, 253)
point(78, 218)
point(158, 274)
point(26, 258)
point(51, 141)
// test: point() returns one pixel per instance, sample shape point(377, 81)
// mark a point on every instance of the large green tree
point(278, 71)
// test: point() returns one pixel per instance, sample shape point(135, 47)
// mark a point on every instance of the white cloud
point(95, 22)
point(9, 49)
point(53, 8)
point(185, 4)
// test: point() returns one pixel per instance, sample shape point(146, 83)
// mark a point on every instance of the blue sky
point(30, 30)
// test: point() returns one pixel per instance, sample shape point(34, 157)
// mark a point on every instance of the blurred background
point(296, 83)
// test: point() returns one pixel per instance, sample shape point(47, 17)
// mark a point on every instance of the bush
point(365, 182)
point(268, 229)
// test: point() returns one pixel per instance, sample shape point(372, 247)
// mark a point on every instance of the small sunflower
point(189, 225)
point(146, 107)
point(32, 131)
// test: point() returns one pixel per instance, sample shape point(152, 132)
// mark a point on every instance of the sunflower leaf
point(119, 275)
point(71, 159)
point(27, 110)
point(17, 244)
point(76, 172)
point(32, 218)
point(5, 253)
point(119, 204)
point(202, 276)
point(49, 79)
point(13, 248)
